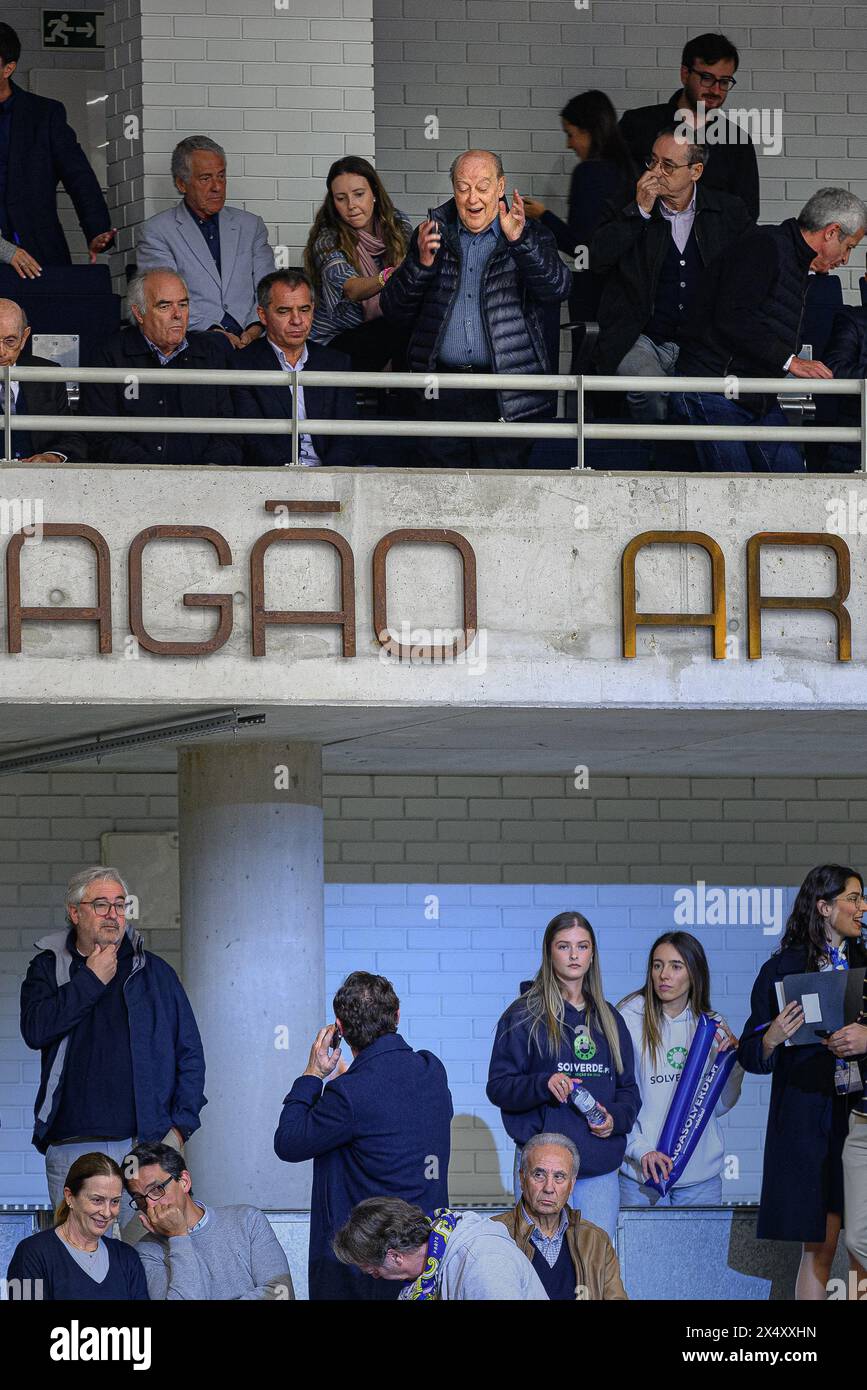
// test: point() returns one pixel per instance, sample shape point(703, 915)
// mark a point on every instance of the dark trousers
point(443, 452)
point(372, 345)
point(710, 408)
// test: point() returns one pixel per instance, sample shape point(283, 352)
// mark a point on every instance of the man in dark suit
point(286, 303)
point(38, 150)
point(380, 1127)
point(707, 71)
point(158, 337)
point(846, 356)
point(34, 397)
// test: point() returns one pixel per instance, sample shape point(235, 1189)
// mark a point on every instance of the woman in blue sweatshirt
point(77, 1261)
point(562, 1033)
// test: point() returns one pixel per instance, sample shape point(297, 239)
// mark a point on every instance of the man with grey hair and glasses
point(573, 1258)
point(746, 322)
point(159, 336)
point(122, 1058)
point(222, 252)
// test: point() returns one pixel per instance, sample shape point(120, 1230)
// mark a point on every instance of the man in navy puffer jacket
point(479, 290)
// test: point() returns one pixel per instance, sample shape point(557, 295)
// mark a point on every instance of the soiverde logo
point(585, 1047)
point(676, 1056)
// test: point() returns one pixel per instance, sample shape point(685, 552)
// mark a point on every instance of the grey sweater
point(480, 1266)
point(232, 1254)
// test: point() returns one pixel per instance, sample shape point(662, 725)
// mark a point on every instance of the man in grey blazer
point(221, 252)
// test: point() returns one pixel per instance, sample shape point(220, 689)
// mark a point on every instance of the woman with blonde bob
point(78, 1260)
point(662, 1018)
point(559, 1035)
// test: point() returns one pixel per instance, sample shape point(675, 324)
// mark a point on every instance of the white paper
point(812, 1008)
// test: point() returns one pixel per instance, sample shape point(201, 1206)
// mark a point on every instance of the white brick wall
point(285, 89)
point(501, 855)
point(497, 72)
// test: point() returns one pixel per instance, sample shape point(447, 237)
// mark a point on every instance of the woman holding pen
point(813, 1088)
point(561, 1034)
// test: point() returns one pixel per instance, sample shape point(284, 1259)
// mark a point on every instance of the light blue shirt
point(548, 1246)
point(181, 347)
point(306, 452)
point(465, 341)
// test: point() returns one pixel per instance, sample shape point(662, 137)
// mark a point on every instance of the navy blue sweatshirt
point(518, 1086)
point(45, 1257)
point(97, 1096)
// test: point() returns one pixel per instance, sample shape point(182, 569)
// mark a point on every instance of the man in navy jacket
point(122, 1058)
point(38, 150)
point(846, 356)
point(286, 306)
point(379, 1129)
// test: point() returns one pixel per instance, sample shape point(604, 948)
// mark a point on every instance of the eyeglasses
point(102, 906)
point(668, 166)
point(156, 1193)
point(852, 898)
point(707, 79)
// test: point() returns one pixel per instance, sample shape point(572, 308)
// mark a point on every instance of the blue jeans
point(692, 1194)
point(710, 408)
point(647, 358)
point(598, 1199)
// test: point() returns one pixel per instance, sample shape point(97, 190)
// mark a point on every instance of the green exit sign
point(66, 30)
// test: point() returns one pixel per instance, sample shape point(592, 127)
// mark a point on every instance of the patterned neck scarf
point(442, 1223)
point(371, 258)
point(847, 1075)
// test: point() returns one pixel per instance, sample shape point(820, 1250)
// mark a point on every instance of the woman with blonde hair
point(562, 1036)
point(78, 1260)
point(357, 240)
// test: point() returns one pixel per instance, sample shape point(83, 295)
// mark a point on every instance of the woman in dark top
point(813, 1088)
point(603, 174)
point(76, 1260)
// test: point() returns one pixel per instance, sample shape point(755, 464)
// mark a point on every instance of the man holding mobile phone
point(479, 291)
point(381, 1127)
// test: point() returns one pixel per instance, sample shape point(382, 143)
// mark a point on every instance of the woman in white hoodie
point(662, 1019)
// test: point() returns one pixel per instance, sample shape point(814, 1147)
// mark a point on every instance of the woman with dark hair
point(77, 1260)
point(813, 1088)
point(604, 173)
point(662, 1018)
point(357, 240)
point(562, 1035)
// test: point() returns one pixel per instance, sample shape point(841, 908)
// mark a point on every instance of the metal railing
point(579, 430)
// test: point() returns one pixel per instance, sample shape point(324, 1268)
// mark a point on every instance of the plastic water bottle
point(583, 1101)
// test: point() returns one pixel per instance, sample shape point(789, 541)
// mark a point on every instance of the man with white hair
point(122, 1059)
point(34, 397)
point(573, 1258)
point(222, 252)
point(479, 291)
point(745, 321)
point(159, 336)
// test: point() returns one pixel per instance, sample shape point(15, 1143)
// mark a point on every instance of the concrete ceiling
point(436, 740)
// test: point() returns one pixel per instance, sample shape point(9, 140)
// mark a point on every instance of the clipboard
point(830, 999)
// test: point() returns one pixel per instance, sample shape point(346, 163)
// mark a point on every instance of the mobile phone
point(336, 1039)
point(822, 1032)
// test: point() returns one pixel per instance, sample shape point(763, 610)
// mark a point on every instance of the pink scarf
point(371, 256)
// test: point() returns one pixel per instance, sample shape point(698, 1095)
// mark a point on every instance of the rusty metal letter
point(222, 602)
point(830, 603)
point(344, 617)
point(435, 652)
point(101, 614)
point(716, 619)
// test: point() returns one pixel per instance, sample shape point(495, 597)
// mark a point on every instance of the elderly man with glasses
point(121, 1054)
point(652, 253)
point(707, 71)
point(193, 1251)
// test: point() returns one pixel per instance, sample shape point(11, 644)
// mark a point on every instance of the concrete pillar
point(250, 823)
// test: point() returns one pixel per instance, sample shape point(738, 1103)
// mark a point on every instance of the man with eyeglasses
point(34, 397)
point(193, 1251)
point(652, 253)
point(707, 71)
point(121, 1054)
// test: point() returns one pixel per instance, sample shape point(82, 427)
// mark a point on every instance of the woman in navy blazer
point(802, 1181)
